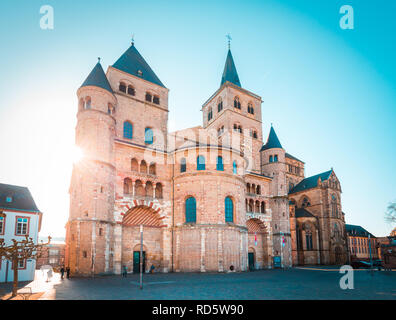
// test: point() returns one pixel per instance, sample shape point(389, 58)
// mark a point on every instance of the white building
point(19, 217)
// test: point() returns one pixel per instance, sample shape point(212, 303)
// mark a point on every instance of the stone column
point(317, 245)
point(220, 250)
point(203, 236)
point(133, 188)
point(117, 248)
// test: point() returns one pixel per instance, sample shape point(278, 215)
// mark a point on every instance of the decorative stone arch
point(136, 247)
point(304, 201)
point(255, 225)
point(151, 207)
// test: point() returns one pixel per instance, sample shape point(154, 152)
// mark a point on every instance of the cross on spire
point(133, 39)
point(229, 40)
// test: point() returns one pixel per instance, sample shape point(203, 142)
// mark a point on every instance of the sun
point(77, 154)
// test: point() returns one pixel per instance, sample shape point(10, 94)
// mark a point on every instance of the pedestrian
point(62, 271)
point(68, 273)
point(124, 271)
point(152, 268)
point(49, 275)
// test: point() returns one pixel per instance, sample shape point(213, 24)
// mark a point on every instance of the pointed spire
point(272, 141)
point(133, 63)
point(97, 78)
point(230, 74)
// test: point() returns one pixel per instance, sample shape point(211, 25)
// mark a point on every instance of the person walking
point(62, 271)
point(68, 273)
point(49, 275)
point(124, 271)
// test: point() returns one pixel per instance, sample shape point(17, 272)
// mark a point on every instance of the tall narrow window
point(191, 210)
point(220, 106)
point(308, 239)
point(148, 97)
point(22, 226)
point(262, 207)
point(334, 210)
point(237, 103)
point(128, 130)
point(229, 210)
point(122, 87)
point(219, 165)
point(183, 165)
point(131, 91)
point(200, 163)
point(234, 167)
point(148, 136)
point(210, 114)
point(87, 103)
point(156, 100)
point(271, 159)
point(275, 158)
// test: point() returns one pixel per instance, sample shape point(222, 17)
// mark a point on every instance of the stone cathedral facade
point(215, 197)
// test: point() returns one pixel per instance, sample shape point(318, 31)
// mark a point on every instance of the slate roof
point(302, 213)
point(132, 62)
point(97, 78)
point(230, 73)
point(288, 155)
point(311, 182)
point(358, 231)
point(21, 198)
point(272, 141)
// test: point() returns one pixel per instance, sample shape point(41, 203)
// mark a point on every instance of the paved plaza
point(295, 284)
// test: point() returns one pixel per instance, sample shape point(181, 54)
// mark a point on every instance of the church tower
point(273, 164)
point(233, 114)
point(89, 229)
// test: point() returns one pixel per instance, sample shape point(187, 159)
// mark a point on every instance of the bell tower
point(89, 228)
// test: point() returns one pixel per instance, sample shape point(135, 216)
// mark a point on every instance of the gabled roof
point(302, 213)
point(97, 78)
point(230, 73)
point(288, 155)
point(21, 198)
point(133, 63)
point(272, 141)
point(357, 231)
point(311, 182)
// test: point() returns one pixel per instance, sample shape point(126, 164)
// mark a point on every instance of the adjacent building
point(19, 216)
point(53, 254)
point(215, 197)
point(362, 243)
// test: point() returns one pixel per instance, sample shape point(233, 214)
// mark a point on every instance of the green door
point(251, 261)
point(136, 261)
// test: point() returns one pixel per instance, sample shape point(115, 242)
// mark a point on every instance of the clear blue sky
point(330, 93)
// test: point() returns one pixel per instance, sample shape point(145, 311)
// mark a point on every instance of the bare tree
point(19, 251)
point(390, 215)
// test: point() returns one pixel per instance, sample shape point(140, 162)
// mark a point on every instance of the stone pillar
point(203, 236)
point(177, 251)
point(133, 188)
point(117, 248)
point(220, 250)
point(166, 252)
point(317, 245)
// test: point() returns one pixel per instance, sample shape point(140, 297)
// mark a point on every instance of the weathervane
point(133, 38)
point(229, 40)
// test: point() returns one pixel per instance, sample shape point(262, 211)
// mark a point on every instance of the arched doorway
point(152, 239)
point(338, 256)
point(257, 244)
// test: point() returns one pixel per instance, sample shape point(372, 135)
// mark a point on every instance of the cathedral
point(212, 198)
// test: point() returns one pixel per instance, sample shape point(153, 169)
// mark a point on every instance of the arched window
point(237, 103)
point(250, 108)
point(183, 165)
point(305, 202)
point(334, 209)
point(131, 91)
point(337, 232)
point(248, 188)
point(122, 87)
point(220, 105)
point(143, 167)
point(128, 130)
point(258, 190)
point(191, 210)
point(308, 239)
point(271, 159)
point(148, 136)
point(200, 163)
point(149, 189)
point(87, 105)
point(275, 158)
point(219, 165)
point(210, 114)
point(127, 186)
point(257, 207)
point(255, 134)
point(158, 190)
point(234, 167)
point(152, 169)
point(229, 210)
point(251, 205)
point(235, 127)
point(291, 186)
point(139, 190)
point(262, 207)
point(156, 100)
point(110, 109)
point(134, 165)
point(148, 97)
point(239, 129)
